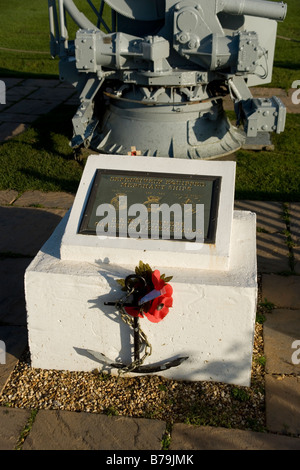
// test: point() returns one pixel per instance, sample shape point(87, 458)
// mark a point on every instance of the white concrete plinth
point(211, 321)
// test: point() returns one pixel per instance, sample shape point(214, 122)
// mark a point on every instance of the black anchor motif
point(136, 288)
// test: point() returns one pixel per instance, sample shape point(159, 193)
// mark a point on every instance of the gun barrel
point(76, 15)
point(261, 8)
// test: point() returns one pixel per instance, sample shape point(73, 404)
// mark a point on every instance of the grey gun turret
point(155, 80)
point(263, 9)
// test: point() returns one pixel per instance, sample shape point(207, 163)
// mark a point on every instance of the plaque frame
point(164, 253)
point(214, 200)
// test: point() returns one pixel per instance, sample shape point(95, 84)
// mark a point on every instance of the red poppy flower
point(158, 283)
point(158, 308)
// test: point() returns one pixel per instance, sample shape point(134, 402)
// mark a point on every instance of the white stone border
point(123, 251)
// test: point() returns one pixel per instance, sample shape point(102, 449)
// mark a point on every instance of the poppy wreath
point(157, 285)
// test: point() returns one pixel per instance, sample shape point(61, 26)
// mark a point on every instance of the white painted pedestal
point(212, 319)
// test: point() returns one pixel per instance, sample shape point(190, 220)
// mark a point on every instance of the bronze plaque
point(121, 190)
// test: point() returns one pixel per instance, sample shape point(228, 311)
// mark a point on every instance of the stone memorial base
point(211, 322)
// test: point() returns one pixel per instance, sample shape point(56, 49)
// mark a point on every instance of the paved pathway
point(27, 99)
point(23, 230)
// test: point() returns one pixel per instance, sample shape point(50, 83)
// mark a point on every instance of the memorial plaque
point(119, 192)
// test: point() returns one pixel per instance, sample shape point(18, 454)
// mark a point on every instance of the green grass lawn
point(272, 175)
point(24, 26)
point(287, 53)
point(41, 157)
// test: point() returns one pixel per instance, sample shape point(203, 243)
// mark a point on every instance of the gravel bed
point(199, 403)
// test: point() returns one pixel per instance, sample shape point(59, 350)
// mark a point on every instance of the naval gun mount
point(154, 82)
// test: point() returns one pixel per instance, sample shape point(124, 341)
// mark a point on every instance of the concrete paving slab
point(15, 341)
point(11, 82)
point(8, 197)
point(12, 422)
point(186, 437)
point(272, 250)
point(25, 230)
point(228, 104)
point(49, 200)
point(283, 404)
point(281, 329)
point(12, 296)
point(73, 101)
point(272, 253)
point(294, 211)
point(291, 107)
point(268, 214)
point(282, 291)
point(66, 430)
point(19, 92)
point(55, 94)
point(8, 130)
point(261, 92)
point(36, 107)
point(64, 84)
point(296, 253)
point(41, 82)
point(6, 116)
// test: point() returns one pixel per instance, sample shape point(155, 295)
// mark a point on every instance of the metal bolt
point(192, 44)
point(183, 38)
